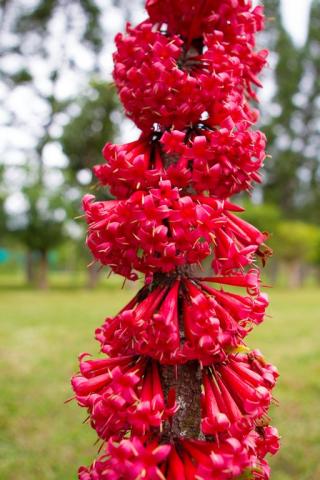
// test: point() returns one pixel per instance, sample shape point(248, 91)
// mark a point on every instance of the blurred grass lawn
point(42, 334)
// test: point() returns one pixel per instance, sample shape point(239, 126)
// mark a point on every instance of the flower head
point(236, 390)
point(131, 459)
point(122, 394)
point(161, 231)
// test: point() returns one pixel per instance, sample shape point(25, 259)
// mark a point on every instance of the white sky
point(295, 17)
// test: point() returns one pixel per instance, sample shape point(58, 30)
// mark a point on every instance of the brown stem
point(43, 270)
point(186, 380)
point(30, 268)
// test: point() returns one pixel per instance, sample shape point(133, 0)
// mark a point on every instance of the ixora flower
point(143, 458)
point(231, 24)
point(210, 324)
point(238, 389)
point(161, 231)
point(162, 80)
point(131, 459)
point(192, 18)
point(222, 162)
point(176, 394)
point(121, 394)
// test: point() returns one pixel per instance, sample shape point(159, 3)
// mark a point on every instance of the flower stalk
point(176, 394)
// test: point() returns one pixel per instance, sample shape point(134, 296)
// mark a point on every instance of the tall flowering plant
point(176, 394)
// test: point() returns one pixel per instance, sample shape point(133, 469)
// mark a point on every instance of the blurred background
point(58, 109)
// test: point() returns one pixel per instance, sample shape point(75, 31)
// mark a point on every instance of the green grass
point(42, 334)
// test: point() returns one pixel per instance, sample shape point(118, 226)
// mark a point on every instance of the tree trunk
point(43, 271)
point(294, 274)
point(273, 271)
point(29, 268)
point(93, 276)
point(186, 381)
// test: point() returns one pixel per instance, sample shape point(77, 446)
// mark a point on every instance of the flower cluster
point(159, 231)
point(222, 162)
point(128, 460)
point(141, 458)
point(226, 27)
point(161, 80)
point(237, 389)
point(152, 87)
point(213, 322)
point(192, 18)
point(186, 76)
point(122, 393)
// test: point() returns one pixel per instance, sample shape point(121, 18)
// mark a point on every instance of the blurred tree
point(296, 244)
point(85, 135)
point(40, 229)
point(309, 103)
point(49, 49)
point(264, 217)
point(292, 127)
point(82, 141)
point(3, 215)
point(282, 170)
point(316, 259)
point(38, 19)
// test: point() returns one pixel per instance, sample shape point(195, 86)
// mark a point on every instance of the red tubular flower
point(216, 321)
point(186, 76)
point(268, 441)
point(227, 459)
point(128, 460)
point(223, 162)
point(130, 167)
point(122, 393)
point(161, 80)
point(161, 231)
point(231, 26)
point(236, 390)
point(151, 410)
point(250, 280)
point(150, 328)
point(146, 74)
point(142, 458)
point(213, 322)
point(193, 18)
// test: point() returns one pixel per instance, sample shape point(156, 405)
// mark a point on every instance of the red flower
point(130, 167)
point(128, 460)
point(140, 458)
point(268, 441)
point(162, 80)
point(223, 162)
point(193, 18)
point(213, 322)
point(122, 393)
point(186, 77)
point(161, 231)
point(240, 388)
point(151, 85)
